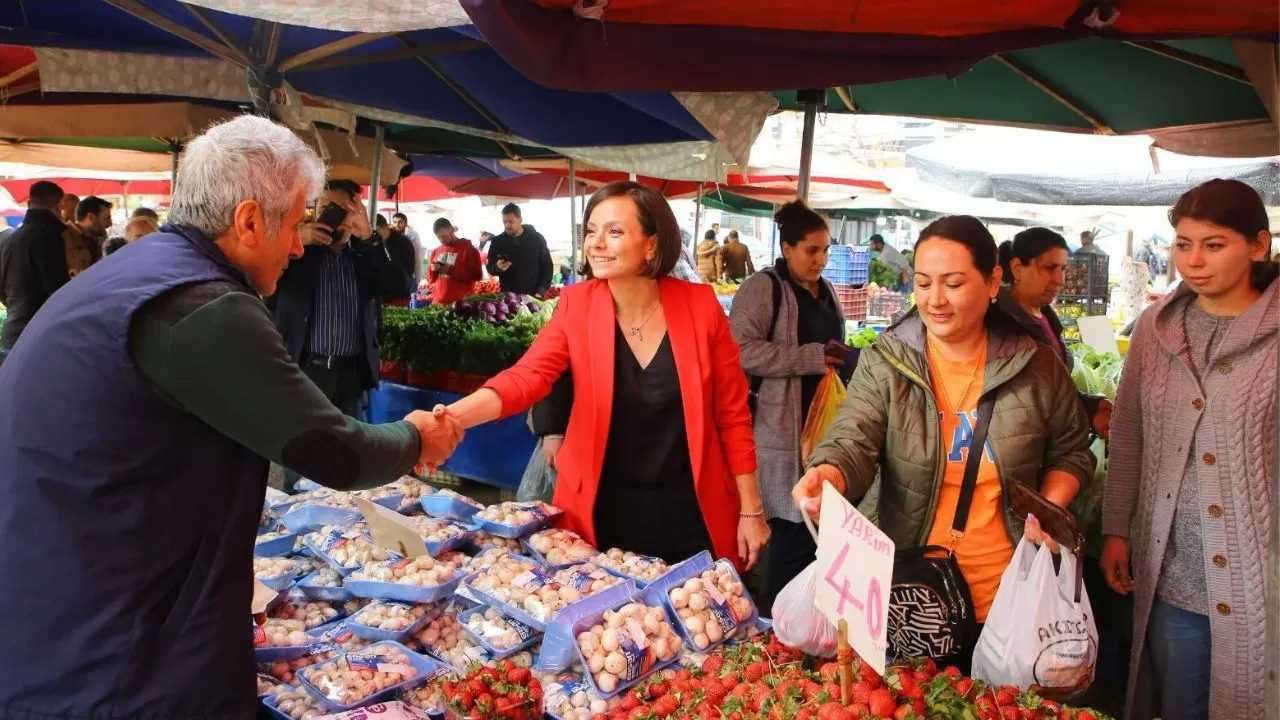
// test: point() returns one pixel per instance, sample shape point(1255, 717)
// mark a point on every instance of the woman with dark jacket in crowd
point(782, 319)
point(910, 415)
point(1033, 264)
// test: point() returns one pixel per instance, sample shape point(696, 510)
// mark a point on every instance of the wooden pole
point(844, 657)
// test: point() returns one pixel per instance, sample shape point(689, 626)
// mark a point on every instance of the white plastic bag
point(1036, 634)
point(797, 620)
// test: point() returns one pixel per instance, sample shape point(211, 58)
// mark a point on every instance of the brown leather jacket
point(736, 260)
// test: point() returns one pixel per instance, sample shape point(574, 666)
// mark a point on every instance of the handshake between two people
point(440, 432)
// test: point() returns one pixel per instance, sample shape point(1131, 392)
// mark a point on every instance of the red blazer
point(580, 336)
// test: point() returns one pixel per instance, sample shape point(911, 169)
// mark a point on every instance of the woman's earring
point(993, 299)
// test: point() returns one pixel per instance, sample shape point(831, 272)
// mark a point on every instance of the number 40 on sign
point(855, 566)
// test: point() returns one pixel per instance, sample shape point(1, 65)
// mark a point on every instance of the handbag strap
point(970, 483)
point(757, 380)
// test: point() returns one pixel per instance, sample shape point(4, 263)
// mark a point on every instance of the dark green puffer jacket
point(890, 421)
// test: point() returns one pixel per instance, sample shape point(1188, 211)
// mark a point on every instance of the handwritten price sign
point(855, 566)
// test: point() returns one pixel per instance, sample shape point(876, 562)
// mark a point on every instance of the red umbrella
point(533, 186)
point(84, 187)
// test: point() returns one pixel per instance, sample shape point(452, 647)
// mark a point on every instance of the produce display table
point(495, 453)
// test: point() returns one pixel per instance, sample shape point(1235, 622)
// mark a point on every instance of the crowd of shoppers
point(653, 405)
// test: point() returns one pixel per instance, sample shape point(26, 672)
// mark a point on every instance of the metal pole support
point(379, 140)
point(812, 100)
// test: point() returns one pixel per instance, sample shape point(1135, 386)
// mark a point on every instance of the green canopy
point(1090, 85)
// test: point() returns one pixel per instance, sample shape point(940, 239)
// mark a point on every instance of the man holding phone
point(519, 257)
point(327, 303)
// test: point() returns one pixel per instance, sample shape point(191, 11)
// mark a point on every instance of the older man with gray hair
point(140, 412)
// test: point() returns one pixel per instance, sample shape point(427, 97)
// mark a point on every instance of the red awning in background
point(84, 187)
point(930, 17)
point(534, 186)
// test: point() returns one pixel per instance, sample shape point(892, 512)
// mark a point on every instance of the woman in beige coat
point(1188, 501)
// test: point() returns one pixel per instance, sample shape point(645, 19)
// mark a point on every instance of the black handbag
point(753, 387)
point(931, 611)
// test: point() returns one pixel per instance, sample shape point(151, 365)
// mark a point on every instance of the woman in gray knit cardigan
point(783, 319)
point(1188, 498)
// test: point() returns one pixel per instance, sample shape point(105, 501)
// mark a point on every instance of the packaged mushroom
point(419, 580)
point(568, 696)
point(355, 677)
point(346, 548)
point(294, 703)
point(559, 548)
point(519, 587)
point(450, 505)
point(408, 489)
point(620, 647)
point(515, 519)
point(500, 635)
point(332, 509)
point(483, 541)
point(276, 543)
point(324, 584)
point(711, 605)
point(280, 633)
point(586, 579)
point(641, 568)
point(429, 697)
point(275, 573)
point(444, 639)
point(456, 559)
point(389, 620)
point(311, 614)
point(442, 536)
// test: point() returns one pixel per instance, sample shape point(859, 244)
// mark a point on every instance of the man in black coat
point(519, 257)
point(34, 262)
point(327, 302)
point(400, 248)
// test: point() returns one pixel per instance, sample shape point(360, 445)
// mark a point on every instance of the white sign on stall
point(855, 572)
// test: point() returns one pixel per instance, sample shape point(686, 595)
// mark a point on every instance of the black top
point(35, 266)
point(819, 322)
point(647, 479)
point(531, 267)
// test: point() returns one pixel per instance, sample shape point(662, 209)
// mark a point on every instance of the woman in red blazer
point(659, 456)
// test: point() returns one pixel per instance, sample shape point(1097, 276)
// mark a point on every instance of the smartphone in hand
point(332, 216)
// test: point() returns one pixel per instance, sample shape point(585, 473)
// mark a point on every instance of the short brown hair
point(655, 218)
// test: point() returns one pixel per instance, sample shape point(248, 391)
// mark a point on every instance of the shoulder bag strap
point(756, 380)
point(977, 447)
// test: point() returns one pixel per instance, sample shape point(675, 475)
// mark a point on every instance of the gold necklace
point(637, 330)
point(973, 374)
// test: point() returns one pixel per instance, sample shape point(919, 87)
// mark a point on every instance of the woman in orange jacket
point(659, 456)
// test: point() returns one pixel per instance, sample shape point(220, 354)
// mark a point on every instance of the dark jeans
point(345, 390)
point(791, 549)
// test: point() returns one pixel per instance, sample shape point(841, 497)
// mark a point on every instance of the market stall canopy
point(454, 166)
point(443, 78)
point(767, 183)
point(1208, 96)
point(159, 127)
point(1026, 166)
point(767, 44)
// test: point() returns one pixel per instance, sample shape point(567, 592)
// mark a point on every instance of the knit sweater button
point(1210, 458)
point(1224, 368)
point(1219, 561)
point(1224, 609)
point(1215, 511)
point(1197, 404)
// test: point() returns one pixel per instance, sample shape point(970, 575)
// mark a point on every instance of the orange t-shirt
point(985, 550)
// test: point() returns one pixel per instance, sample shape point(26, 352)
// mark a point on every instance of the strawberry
point(665, 706)
point(904, 712)
point(831, 711)
point(858, 710)
point(806, 713)
point(712, 665)
point(1007, 695)
point(963, 687)
point(1010, 713)
point(1051, 706)
point(859, 692)
point(755, 671)
point(640, 713)
point(953, 672)
point(829, 672)
point(658, 689)
point(629, 702)
point(882, 703)
point(984, 703)
point(519, 675)
point(1085, 715)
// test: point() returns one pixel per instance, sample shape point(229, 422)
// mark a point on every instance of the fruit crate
point(853, 300)
point(1086, 278)
point(887, 304)
point(848, 265)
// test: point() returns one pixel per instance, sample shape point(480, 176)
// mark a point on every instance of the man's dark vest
point(126, 525)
